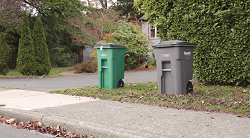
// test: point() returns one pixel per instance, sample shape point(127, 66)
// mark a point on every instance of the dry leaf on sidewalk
point(207, 112)
point(10, 120)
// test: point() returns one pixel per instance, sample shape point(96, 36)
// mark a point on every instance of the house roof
point(143, 18)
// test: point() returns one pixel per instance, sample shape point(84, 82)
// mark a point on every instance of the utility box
point(110, 65)
point(174, 61)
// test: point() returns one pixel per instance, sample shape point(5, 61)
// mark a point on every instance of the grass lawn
point(227, 99)
point(54, 72)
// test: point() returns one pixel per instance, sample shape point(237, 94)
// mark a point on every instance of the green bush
point(41, 49)
point(5, 55)
point(220, 29)
point(26, 64)
point(86, 67)
point(131, 36)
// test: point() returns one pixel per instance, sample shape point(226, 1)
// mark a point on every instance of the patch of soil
point(70, 70)
point(142, 68)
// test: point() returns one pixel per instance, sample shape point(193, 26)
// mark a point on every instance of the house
point(149, 31)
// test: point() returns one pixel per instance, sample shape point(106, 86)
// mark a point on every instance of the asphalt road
point(73, 81)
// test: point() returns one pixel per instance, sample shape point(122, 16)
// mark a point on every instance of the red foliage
point(93, 27)
point(11, 11)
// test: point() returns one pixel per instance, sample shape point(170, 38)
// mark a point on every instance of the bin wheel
point(120, 84)
point(189, 87)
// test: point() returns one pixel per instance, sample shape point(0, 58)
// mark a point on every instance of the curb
point(78, 126)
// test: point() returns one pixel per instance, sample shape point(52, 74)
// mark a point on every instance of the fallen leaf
point(129, 107)
point(39, 124)
point(10, 120)
point(245, 90)
point(207, 112)
point(58, 127)
point(150, 116)
point(212, 118)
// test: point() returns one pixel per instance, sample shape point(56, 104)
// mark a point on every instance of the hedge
point(219, 28)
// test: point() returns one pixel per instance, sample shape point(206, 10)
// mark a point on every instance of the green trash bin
point(110, 65)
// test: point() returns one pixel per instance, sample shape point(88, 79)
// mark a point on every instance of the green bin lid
point(173, 43)
point(110, 45)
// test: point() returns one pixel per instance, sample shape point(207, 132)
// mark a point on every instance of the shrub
point(41, 49)
point(86, 67)
point(94, 55)
point(26, 64)
point(219, 28)
point(131, 36)
point(5, 54)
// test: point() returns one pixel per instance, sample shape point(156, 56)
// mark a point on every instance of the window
point(153, 31)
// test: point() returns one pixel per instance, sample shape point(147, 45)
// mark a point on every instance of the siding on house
point(146, 29)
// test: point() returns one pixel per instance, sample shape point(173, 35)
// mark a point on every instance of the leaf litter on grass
point(225, 99)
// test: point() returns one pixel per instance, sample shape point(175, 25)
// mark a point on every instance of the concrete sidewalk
point(111, 119)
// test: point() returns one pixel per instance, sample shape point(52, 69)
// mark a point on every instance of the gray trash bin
point(174, 61)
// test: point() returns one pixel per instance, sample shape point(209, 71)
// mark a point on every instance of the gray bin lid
point(110, 45)
point(173, 43)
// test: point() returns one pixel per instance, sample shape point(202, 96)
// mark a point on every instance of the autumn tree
point(26, 63)
point(4, 55)
point(93, 27)
point(41, 49)
point(11, 12)
point(99, 3)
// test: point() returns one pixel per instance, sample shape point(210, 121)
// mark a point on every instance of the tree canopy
point(93, 26)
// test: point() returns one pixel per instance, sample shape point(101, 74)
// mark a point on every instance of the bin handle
point(166, 69)
point(104, 67)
